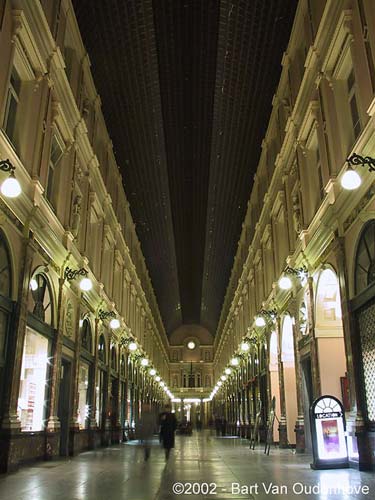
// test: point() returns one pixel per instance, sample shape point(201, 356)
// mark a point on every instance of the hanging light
point(234, 361)
point(228, 371)
point(157, 378)
point(85, 284)
point(133, 346)
point(11, 188)
point(33, 284)
point(285, 283)
point(245, 346)
point(152, 372)
point(351, 180)
point(144, 362)
point(161, 383)
point(223, 378)
point(114, 323)
point(220, 383)
point(260, 321)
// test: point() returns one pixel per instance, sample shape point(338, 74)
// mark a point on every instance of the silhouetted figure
point(217, 425)
point(223, 426)
point(146, 429)
point(168, 426)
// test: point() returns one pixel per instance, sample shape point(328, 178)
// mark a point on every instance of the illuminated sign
point(328, 434)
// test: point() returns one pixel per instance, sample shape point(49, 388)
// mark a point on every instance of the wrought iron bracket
point(364, 161)
point(71, 274)
point(6, 166)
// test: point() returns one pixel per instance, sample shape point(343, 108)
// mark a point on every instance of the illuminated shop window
point(83, 388)
point(100, 398)
point(32, 394)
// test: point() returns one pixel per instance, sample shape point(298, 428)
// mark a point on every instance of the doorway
point(64, 405)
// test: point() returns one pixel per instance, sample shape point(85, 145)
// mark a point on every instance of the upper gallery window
point(11, 106)
point(353, 104)
point(56, 154)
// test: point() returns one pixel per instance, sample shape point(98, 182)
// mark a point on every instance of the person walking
point(146, 429)
point(168, 426)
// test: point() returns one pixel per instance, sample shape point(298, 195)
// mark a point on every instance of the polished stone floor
point(206, 467)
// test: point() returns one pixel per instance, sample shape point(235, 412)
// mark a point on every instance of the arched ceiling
point(186, 89)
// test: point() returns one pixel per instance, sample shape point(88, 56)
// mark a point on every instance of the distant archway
point(329, 334)
point(274, 379)
point(290, 386)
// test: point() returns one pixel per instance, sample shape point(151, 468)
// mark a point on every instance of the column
point(300, 422)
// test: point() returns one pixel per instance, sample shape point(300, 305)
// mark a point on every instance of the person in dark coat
point(168, 424)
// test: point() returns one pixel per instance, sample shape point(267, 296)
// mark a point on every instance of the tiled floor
point(213, 464)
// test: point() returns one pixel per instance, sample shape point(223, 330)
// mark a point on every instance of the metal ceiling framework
point(186, 89)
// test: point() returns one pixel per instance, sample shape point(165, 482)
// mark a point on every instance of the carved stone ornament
point(297, 224)
point(76, 215)
point(69, 319)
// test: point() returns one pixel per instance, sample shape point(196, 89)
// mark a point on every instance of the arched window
point(101, 349)
point(5, 269)
point(365, 258)
point(113, 357)
point(86, 338)
point(122, 366)
point(41, 298)
point(5, 304)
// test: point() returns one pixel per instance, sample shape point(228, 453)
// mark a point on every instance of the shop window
point(83, 394)
point(56, 154)
point(365, 259)
point(100, 398)
point(101, 349)
point(41, 297)
point(32, 393)
point(12, 106)
point(86, 337)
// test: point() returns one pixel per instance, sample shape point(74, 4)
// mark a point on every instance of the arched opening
point(5, 308)
point(274, 380)
point(290, 386)
point(85, 375)
point(33, 397)
point(101, 383)
point(329, 335)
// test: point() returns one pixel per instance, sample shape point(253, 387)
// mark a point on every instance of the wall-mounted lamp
point(285, 283)
point(144, 362)
point(264, 314)
point(71, 274)
point(245, 346)
point(132, 346)
point(228, 371)
point(152, 372)
point(234, 361)
point(351, 179)
point(10, 188)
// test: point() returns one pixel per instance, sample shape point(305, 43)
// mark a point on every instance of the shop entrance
point(64, 405)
